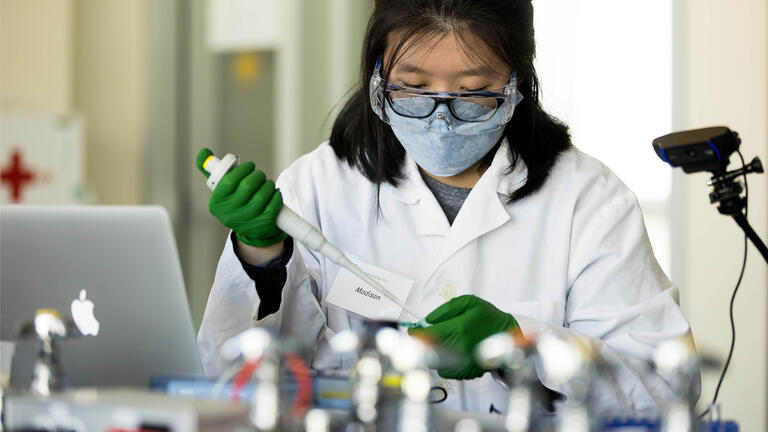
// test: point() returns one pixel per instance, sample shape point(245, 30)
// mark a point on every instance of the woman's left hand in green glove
point(459, 325)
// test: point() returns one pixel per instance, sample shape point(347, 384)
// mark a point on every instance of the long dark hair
point(506, 26)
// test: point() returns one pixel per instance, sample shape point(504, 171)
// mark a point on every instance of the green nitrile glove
point(248, 203)
point(459, 325)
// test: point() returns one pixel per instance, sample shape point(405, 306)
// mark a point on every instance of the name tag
point(351, 293)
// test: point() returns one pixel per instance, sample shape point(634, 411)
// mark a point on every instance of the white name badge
point(351, 293)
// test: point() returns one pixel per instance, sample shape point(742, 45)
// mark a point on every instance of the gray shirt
point(450, 198)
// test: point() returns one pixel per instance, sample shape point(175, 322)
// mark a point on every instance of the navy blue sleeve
point(269, 278)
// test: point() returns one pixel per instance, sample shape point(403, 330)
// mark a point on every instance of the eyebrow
point(480, 70)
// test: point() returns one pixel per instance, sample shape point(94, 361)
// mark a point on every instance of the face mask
point(441, 143)
point(434, 144)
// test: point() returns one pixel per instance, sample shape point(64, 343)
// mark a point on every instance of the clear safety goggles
point(470, 107)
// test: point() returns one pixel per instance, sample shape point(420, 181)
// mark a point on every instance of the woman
point(444, 173)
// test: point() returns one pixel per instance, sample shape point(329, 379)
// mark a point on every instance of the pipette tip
point(422, 323)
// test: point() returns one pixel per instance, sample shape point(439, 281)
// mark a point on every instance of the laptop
point(123, 260)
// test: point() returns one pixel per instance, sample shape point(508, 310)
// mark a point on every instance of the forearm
point(269, 277)
point(236, 304)
point(258, 255)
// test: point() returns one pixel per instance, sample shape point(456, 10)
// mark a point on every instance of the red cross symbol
point(16, 176)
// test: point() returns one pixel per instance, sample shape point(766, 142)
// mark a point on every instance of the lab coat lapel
point(482, 212)
point(429, 218)
point(484, 209)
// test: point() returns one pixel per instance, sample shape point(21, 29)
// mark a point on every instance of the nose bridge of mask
point(441, 117)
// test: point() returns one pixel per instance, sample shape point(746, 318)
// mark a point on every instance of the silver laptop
point(125, 260)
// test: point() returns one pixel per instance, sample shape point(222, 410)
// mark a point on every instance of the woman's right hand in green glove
point(245, 201)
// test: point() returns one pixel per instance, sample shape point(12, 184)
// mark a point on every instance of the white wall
point(88, 57)
point(36, 55)
point(721, 78)
point(110, 91)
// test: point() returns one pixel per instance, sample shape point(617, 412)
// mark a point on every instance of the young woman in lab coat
point(443, 169)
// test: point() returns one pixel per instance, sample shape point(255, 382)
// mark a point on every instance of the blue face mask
point(440, 142)
point(436, 146)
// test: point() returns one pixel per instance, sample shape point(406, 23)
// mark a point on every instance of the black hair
point(364, 141)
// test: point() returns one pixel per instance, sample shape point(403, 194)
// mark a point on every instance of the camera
point(707, 149)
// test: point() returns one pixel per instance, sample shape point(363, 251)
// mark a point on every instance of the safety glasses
point(473, 106)
point(465, 106)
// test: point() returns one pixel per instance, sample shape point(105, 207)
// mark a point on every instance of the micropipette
point(301, 230)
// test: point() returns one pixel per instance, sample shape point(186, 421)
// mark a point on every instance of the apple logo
point(82, 314)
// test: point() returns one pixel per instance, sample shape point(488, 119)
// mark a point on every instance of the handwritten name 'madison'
point(367, 293)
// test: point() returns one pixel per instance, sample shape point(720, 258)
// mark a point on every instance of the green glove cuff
point(277, 238)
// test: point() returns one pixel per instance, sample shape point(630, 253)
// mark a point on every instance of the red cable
point(303, 381)
point(242, 377)
point(300, 371)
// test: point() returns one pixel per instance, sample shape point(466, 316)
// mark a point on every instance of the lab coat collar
point(506, 182)
point(482, 212)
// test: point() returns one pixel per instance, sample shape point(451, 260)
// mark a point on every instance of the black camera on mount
point(706, 149)
point(709, 149)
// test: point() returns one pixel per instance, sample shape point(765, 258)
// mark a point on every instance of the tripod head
point(726, 188)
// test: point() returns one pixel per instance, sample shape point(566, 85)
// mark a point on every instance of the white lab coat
point(573, 259)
